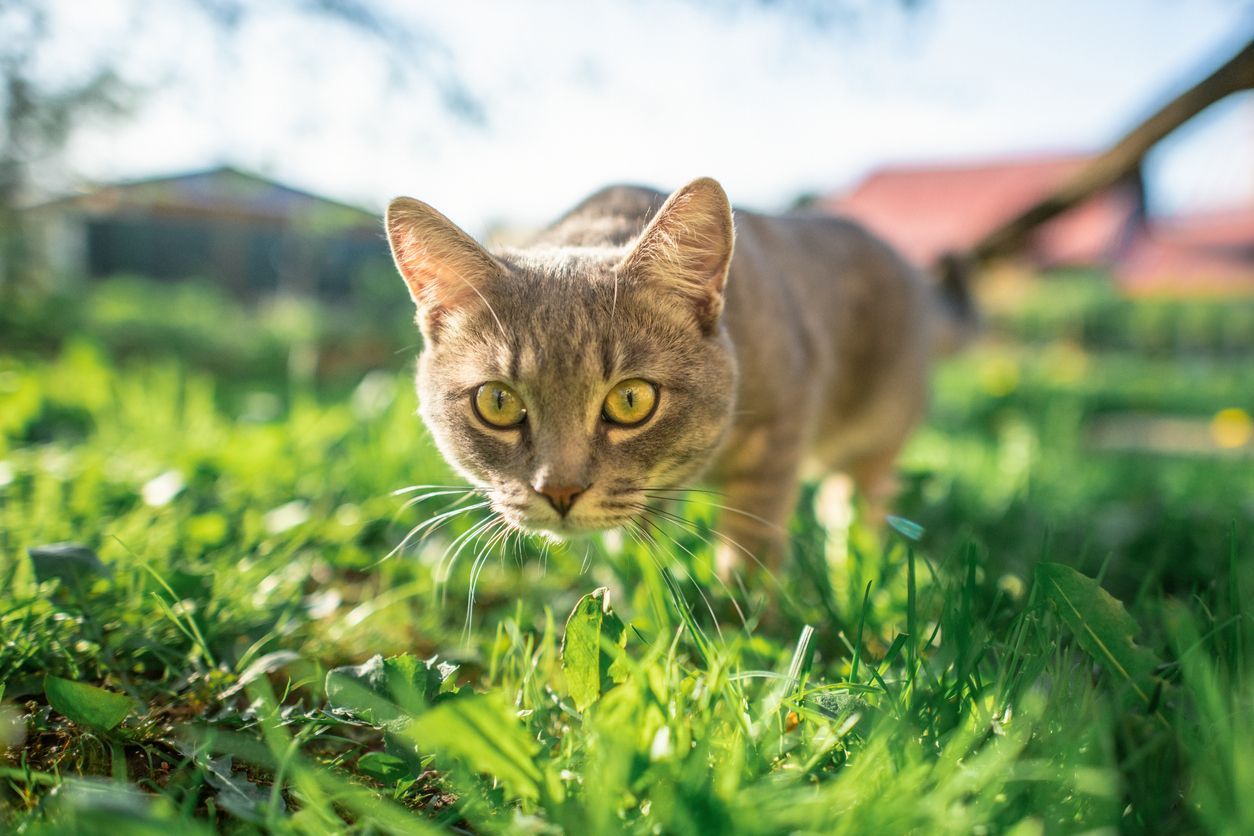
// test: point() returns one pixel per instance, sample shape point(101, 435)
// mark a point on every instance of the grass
point(1055, 638)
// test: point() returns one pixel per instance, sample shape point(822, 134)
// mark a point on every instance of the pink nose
point(561, 497)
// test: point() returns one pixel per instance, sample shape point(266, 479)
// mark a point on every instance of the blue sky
point(577, 95)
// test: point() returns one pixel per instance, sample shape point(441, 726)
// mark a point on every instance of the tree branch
point(1121, 160)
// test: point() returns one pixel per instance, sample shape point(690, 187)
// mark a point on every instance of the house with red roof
point(927, 211)
point(1201, 254)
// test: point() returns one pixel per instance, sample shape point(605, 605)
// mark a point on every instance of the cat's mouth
point(568, 527)
point(540, 519)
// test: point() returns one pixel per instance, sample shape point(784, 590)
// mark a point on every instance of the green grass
point(958, 679)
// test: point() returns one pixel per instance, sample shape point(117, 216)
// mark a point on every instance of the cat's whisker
point(544, 557)
point(443, 574)
point(405, 348)
point(462, 495)
point(680, 490)
point(514, 542)
point(398, 547)
point(441, 524)
point(500, 531)
point(516, 535)
point(728, 508)
point(700, 591)
point(413, 488)
point(427, 525)
point(731, 595)
point(729, 540)
point(466, 493)
point(414, 532)
point(443, 569)
point(439, 576)
point(646, 539)
point(692, 529)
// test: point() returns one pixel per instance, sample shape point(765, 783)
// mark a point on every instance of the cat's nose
point(561, 497)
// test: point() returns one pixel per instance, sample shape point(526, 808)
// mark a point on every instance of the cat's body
point(809, 354)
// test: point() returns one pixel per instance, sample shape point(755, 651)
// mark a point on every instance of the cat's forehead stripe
point(525, 361)
point(515, 357)
point(607, 358)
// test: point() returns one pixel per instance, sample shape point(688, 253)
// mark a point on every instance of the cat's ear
point(443, 267)
point(687, 248)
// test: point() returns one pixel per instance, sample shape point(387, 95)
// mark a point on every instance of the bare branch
point(1123, 159)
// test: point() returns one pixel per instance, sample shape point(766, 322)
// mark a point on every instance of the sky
point(573, 96)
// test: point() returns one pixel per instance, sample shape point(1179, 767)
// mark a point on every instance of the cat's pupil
point(500, 399)
point(630, 395)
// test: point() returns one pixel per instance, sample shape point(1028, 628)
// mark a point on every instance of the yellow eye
point(497, 405)
point(631, 402)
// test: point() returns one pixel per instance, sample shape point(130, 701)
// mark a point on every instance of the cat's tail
point(957, 320)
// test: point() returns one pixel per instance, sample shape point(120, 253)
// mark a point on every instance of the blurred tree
point(35, 120)
point(39, 111)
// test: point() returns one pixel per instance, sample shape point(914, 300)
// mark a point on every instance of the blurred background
point(254, 144)
point(199, 182)
point(207, 421)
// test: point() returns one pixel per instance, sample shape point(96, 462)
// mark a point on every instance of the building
point(1205, 254)
point(929, 210)
point(248, 233)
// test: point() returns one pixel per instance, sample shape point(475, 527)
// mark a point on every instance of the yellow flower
point(999, 376)
point(1231, 428)
point(1066, 363)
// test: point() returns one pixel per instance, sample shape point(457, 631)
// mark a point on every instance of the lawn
point(241, 592)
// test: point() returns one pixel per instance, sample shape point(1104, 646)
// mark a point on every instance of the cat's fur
point(807, 352)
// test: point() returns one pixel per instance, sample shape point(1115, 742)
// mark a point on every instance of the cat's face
point(570, 383)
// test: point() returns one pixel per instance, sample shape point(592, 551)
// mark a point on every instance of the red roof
point(927, 211)
point(1198, 254)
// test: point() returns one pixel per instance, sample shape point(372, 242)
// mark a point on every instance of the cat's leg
point(752, 529)
point(875, 477)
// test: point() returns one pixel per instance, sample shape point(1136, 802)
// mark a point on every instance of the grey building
point(252, 235)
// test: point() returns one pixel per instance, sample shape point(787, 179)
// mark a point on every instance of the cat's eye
point(497, 405)
point(630, 403)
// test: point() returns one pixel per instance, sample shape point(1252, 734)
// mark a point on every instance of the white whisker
point(481, 557)
point(731, 541)
point(704, 598)
point(462, 494)
point(444, 571)
point(773, 526)
point(436, 521)
point(413, 488)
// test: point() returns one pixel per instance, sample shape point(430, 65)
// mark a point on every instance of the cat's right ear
point(443, 267)
point(687, 249)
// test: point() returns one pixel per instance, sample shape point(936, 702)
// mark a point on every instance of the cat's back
point(613, 217)
point(800, 279)
point(617, 214)
point(829, 277)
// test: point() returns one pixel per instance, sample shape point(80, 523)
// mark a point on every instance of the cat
point(625, 353)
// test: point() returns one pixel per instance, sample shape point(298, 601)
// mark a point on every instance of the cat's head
point(570, 382)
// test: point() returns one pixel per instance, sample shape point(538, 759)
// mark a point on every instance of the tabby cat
point(625, 353)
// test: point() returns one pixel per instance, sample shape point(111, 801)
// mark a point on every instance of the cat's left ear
point(687, 248)
point(443, 267)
